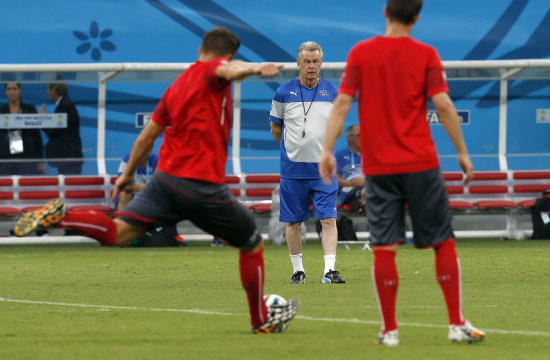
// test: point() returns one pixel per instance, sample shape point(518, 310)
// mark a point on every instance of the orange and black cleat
point(43, 218)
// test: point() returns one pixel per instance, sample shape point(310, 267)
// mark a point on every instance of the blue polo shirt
point(303, 135)
point(348, 166)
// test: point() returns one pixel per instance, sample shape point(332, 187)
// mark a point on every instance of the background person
point(23, 144)
point(143, 172)
point(300, 110)
point(395, 75)
point(195, 116)
point(351, 181)
point(64, 142)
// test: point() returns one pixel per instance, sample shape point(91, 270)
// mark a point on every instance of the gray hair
point(309, 46)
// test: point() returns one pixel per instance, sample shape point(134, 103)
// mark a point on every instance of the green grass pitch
point(90, 302)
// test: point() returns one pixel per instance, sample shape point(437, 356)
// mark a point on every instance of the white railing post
point(236, 143)
point(503, 118)
point(101, 119)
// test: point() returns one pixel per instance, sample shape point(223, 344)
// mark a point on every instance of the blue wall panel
point(88, 31)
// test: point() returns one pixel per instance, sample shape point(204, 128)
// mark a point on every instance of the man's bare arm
point(277, 131)
point(141, 149)
point(238, 70)
point(335, 126)
point(449, 118)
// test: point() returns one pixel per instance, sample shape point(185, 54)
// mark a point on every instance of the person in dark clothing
point(20, 144)
point(64, 143)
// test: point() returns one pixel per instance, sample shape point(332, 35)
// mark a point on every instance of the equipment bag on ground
point(346, 230)
point(540, 215)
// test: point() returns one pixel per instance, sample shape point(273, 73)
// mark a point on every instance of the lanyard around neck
point(304, 106)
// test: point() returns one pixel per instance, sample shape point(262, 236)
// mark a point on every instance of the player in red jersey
point(395, 75)
point(195, 114)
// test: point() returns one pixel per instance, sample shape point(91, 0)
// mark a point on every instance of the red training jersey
point(394, 77)
point(196, 111)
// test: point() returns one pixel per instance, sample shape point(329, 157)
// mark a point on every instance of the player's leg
point(432, 225)
point(106, 231)
point(215, 210)
point(251, 266)
point(385, 209)
point(88, 223)
point(447, 269)
point(386, 282)
point(324, 200)
point(293, 234)
point(295, 201)
point(329, 241)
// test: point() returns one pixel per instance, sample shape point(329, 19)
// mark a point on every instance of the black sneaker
point(278, 317)
point(333, 277)
point(299, 277)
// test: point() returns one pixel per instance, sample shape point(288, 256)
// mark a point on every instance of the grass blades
point(90, 302)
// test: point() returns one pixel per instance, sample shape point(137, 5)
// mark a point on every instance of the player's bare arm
point(335, 127)
point(277, 131)
point(238, 70)
point(141, 149)
point(449, 118)
point(358, 181)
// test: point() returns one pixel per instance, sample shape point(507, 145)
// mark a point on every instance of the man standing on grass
point(395, 75)
point(298, 117)
point(195, 114)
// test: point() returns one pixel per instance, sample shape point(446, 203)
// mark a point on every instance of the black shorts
point(425, 194)
point(167, 199)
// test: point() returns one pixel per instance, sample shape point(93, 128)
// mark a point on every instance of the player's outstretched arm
point(449, 118)
point(141, 149)
point(238, 70)
point(335, 126)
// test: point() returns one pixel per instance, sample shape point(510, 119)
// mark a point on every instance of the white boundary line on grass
point(209, 312)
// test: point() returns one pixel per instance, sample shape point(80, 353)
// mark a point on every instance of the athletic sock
point(251, 266)
point(297, 262)
point(386, 281)
point(91, 223)
point(330, 261)
point(447, 268)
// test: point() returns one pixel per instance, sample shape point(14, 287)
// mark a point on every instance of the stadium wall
point(87, 31)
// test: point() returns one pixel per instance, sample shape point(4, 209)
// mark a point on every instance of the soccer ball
point(274, 300)
point(271, 301)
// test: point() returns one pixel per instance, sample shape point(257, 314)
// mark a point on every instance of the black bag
point(346, 230)
point(540, 214)
point(161, 236)
point(344, 225)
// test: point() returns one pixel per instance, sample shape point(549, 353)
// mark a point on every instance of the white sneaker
point(466, 332)
point(391, 338)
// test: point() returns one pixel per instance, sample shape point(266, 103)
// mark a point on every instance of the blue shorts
point(298, 194)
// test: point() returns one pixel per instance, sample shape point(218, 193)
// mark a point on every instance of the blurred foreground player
point(195, 113)
point(395, 75)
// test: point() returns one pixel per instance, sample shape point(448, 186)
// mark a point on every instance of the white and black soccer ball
point(274, 300)
point(271, 301)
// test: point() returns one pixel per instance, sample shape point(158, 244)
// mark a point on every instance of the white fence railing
point(102, 73)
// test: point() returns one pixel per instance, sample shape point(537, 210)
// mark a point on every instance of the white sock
point(297, 262)
point(330, 260)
